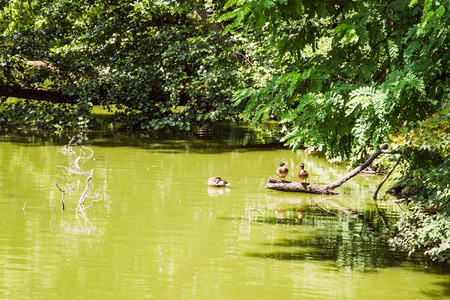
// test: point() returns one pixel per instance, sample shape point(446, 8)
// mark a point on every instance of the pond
point(160, 232)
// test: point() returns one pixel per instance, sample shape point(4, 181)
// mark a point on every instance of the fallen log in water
point(292, 186)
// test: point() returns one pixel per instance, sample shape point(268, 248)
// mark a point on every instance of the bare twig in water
point(51, 202)
point(250, 214)
point(92, 152)
point(75, 163)
point(67, 149)
point(398, 202)
point(71, 141)
point(75, 169)
point(312, 200)
point(326, 199)
point(64, 191)
point(349, 198)
point(327, 210)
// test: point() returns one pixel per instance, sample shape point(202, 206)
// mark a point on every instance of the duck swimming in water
point(282, 171)
point(302, 174)
point(217, 182)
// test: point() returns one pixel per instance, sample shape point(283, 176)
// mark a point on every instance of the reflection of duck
point(214, 192)
point(217, 182)
point(281, 211)
point(282, 171)
point(300, 210)
point(302, 174)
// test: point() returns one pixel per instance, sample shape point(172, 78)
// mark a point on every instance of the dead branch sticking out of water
point(77, 179)
point(64, 190)
point(67, 149)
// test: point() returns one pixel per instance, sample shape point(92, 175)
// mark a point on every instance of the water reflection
point(217, 191)
point(333, 229)
point(336, 239)
point(163, 233)
point(283, 209)
point(210, 139)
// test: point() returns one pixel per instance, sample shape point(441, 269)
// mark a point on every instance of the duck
point(302, 174)
point(282, 171)
point(217, 182)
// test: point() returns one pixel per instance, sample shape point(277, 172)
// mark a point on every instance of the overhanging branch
point(357, 170)
point(36, 94)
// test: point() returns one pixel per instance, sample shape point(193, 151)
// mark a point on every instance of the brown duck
point(282, 171)
point(217, 182)
point(302, 174)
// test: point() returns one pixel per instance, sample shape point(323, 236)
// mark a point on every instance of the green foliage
point(155, 61)
point(431, 134)
point(43, 115)
point(427, 175)
point(421, 232)
point(359, 72)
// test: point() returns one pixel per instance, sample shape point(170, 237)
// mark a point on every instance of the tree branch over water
point(36, 94)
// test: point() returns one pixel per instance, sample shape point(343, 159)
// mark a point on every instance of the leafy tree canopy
point(157, 62)
point(362, 69)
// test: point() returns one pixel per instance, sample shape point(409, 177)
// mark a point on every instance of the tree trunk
point(288, 186)
point(42, 95)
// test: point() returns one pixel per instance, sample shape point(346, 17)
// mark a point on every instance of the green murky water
point(162, 233)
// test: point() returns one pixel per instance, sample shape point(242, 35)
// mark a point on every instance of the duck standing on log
point(282, 171)
point(217, 182)
point(302, 174)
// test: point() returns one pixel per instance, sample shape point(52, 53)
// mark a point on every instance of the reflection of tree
point(348, 236)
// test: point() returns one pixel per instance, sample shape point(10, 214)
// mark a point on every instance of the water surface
point(163, 233)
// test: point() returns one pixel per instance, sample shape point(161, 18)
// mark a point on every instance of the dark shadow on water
point(446, 286)
point(439, 270)
point(293, 256)
point(342, 252)
point(439, 295)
